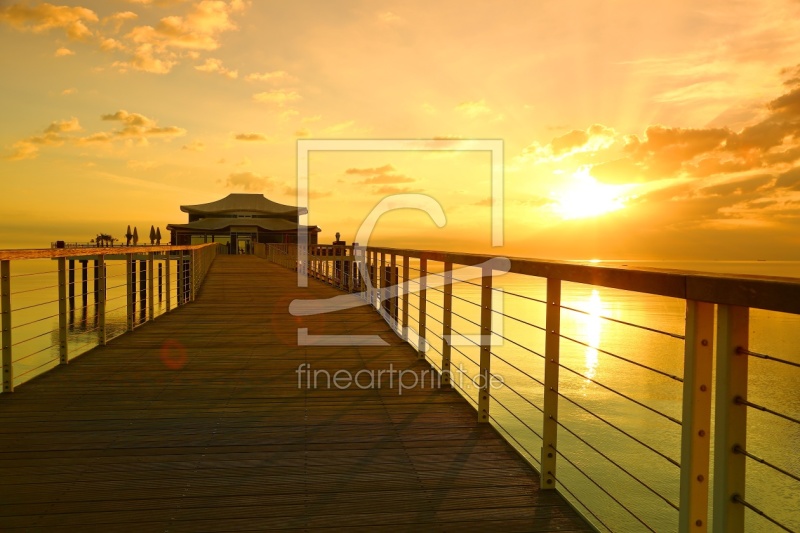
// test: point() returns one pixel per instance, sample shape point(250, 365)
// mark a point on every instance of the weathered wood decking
point(132, 437)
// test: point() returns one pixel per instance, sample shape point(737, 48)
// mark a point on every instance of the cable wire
point(657, 371)
point(616, 320)
point(664, 456)
point(741, 350)
point(739, 499)
point(637, 402)
point(596, 484)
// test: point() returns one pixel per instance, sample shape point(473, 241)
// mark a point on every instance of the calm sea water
point(770, 384)
point(515, 407)
point(34, 304)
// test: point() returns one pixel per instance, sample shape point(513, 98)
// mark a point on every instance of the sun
point(585, 197)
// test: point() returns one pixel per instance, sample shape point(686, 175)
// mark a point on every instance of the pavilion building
point(239, 221)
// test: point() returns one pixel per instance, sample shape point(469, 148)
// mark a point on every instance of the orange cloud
point(379, 175)
point(473, 109)
point(248, 181)
point(45, 16)
point(250, 137)
point(62, 52)
point(277, 76)
point(215, 65)
point(278, 97)
point(158, 48)
point(194, 146)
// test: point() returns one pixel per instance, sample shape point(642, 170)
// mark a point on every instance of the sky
point(631, 130)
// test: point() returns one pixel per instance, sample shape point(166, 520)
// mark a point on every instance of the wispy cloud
point(253, 137)
point(62, 52)
point(277, 97)
point(473, 109)
point(276, 77)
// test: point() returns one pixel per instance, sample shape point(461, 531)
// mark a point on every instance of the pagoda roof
point(219, 224)
point(250, 203)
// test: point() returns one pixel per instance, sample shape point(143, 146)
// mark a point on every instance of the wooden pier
point(195, 422)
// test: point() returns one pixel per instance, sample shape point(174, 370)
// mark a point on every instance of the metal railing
point(452, 314)
point(56, 304)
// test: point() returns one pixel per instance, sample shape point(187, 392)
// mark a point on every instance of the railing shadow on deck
point(48, 317)
point(628, 438)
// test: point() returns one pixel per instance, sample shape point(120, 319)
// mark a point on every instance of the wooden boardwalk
point(195, 422)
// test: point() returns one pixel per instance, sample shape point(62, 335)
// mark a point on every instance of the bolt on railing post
point(423, 306)
point(150, 286)
point(130, 265)
point(696, 419)
point(551, 371)
point(405, 298)
point(63, 350)
point(5, 325)
point(730, 428)
point(484, 391)
point(168, 284)
point(447, 322)
point(100, 267)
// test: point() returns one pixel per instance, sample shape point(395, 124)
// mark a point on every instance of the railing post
point(142, 292)
point(150, 286)
point(393, 295)
point(100, 266)
point(192, 274)
point(382, 285)
point(168, 284)
point(130, 264)
point(350, 269)
point(5, 325)
point(447, 322)
point(423, 306)
point(71, 284)
point(551, 371)
point(63, 353)
point(405, 298)
point(486, 345)
point(730, 428)
point(180, 288)
point(696, 419)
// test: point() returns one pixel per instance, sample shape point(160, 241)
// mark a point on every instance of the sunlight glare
point(586, 197)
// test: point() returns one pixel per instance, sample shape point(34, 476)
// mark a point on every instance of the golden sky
point(636, 130)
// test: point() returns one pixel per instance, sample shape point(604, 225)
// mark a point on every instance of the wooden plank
point(196, 422)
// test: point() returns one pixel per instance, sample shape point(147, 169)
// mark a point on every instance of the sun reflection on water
point(593, 328)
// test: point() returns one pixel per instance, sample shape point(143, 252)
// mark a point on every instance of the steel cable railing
point(521, 446)
point(624, 323)
point(645, 283)
point(610, 424)
point(603, 489)
point(739, 449)
point(766, 357)
point(741, 401)
point(580, 502)
point(621, 358)
point(619, 466)
point(738, 499)
point(620, 394)
point(515, 415)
